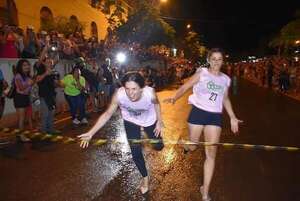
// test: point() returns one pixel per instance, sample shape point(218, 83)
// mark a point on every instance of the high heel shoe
point(207, 198)
point(144, 190)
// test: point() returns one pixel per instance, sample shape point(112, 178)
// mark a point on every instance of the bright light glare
point(174, 52)
point(121, 57)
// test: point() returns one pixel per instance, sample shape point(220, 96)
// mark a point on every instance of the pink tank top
point(208, 93)
point(140, 112)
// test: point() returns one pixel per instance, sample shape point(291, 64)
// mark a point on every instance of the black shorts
point(21, 100)
point(202, 117)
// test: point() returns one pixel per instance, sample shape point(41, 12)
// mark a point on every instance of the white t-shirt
point(208, 93)
point(141, 112)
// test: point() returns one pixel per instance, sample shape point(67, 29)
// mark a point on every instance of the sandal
point(204, 198)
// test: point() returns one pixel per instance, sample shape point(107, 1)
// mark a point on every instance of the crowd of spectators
point(279, 73)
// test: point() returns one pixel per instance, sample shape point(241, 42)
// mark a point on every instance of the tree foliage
point(288, 34)
point(113, 10)
point(145, 26)
point(193, 46)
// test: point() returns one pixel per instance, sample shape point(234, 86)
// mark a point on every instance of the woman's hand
point(31, 82)
point(234, 122)
point(158, 128)
point(85, 139)
point(77, 84)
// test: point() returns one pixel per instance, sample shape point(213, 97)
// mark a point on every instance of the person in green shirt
point(75, 88)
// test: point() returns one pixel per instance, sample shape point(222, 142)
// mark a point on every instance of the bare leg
point(211, 134)
point(194, 133)
point(30, 122)
point(21, 117)
point(28, 116)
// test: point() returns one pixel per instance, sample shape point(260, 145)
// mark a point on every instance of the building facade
point(31, 12)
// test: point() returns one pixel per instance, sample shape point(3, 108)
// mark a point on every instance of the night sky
point(236, 26)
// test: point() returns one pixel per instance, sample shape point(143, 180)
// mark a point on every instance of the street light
point(121, 57)
point(174, 52)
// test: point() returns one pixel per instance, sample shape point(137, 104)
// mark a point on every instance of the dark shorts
point(21, 101)
point(202, 117)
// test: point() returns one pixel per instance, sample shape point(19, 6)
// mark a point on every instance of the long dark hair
point(76, 67)
point(19, 68)
point(135, 77)
point(39, 68)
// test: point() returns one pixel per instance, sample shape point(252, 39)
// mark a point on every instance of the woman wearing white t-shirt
point(210, 94)
point(139, 108)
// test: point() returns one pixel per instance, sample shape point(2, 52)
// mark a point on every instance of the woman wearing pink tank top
point(139, 108)
point(210, 94)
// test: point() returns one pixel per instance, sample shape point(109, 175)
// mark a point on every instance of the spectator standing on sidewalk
point(270, 73)
point(30, 42)
point(47, 80)
point(9, 43)
point(283, 79)
point(74, 88)
point(23, 84)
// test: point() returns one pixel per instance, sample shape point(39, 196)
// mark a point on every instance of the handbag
point(11, 92)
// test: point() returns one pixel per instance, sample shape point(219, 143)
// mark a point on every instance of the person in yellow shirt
point(75, 89)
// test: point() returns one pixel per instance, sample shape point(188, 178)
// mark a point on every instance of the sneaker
point(76, 121)
point(84, 121)
point(23, 138)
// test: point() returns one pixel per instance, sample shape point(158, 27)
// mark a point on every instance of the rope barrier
point(34, 135)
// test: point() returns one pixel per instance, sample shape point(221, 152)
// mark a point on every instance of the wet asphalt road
point(67, 173)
